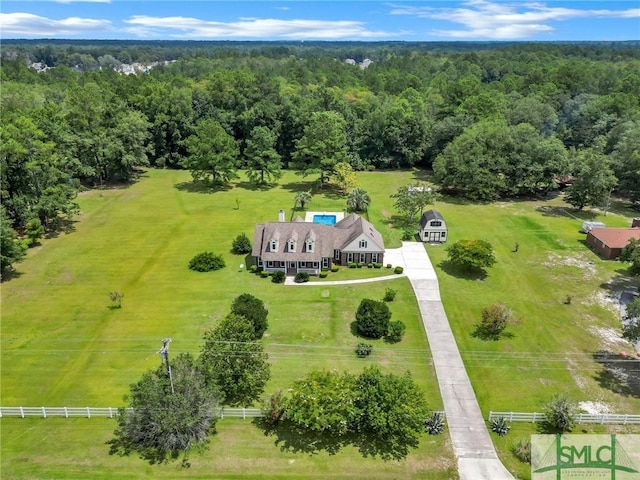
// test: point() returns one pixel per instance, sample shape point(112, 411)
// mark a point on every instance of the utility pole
point(164, 353)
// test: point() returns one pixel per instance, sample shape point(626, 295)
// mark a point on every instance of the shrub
point(241, 244)
point(206, 262)
point(522, 451)
point(434, 423)
point(389, 295)
point(372, 318)
point(324, 274)
point(560, 414)
point(377, 265)
point(398, 270)
point(253, 268)
point(278, 277)
point(408, 234)
point(352, 265)
point(389, 265)
point(324, 269)
point(264, 273)
point(275, 408)
point(301, 277)
point(359, 265)
point(363, 350)
point(335, 268)
point(116, 298)
point(253, 309)
point(34, 231)
point(500, 426)
point(396, 331)
point(495, 320)
point(369, 265)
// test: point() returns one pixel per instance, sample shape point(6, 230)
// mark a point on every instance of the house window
point(374, 258)
point(292, 245)
point(443, 234)
point(259, 261)
point(309, 246)
point(363, 257)
point(350, 257)
point(325, 262)
point(302, 264)
point(436, 223)
point(363, 244)
point(274, 245)
point(282, 264)
point(269, 264)
point(315, 264)
point(336, 254)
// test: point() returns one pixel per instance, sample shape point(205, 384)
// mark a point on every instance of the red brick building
point(609, 242)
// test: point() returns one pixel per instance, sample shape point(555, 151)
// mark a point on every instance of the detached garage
point(433, 228)
point(609, 242)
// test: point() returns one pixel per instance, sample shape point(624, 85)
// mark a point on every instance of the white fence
point(580, 418)
point(109, 412)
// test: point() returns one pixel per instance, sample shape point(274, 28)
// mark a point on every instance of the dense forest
point(493, 120)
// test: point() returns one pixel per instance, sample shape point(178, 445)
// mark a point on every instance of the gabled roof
point(428, 216)
point(326, 238)
point(615, 237)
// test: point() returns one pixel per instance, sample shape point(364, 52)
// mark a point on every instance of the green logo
point(583, 456)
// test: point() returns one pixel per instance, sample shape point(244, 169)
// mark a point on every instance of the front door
point(291, 268)
point(434, 236)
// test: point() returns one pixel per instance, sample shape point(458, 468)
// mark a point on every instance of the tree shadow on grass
point(484, 332)
point(202, 187)
point(295, 187)
point(255, 187)
point(9, 274)
point(62, 225)
point(558, 211)
point(457, 271)
point(619, 374)
point(290, 438)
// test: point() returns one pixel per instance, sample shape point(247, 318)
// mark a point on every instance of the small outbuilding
point(433, 228)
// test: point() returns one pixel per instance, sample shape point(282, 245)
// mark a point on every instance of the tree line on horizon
point(492, 122)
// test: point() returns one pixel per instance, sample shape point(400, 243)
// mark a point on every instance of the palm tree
point(358, 200)
point(301, 198)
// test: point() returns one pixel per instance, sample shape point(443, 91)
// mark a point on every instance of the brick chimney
point(635, 223)
point(281, 216)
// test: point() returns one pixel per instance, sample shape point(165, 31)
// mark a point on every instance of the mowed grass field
point(63, 345)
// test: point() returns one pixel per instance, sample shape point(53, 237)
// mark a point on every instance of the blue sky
point(440, 20)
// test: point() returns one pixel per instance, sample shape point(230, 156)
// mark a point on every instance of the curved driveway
point(477, 458)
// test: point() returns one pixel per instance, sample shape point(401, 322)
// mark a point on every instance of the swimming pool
point(325, 219)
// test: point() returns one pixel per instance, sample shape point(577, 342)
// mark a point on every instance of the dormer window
point(436, 223)
point(309, 245)
point(292, 245)
point(274, 245)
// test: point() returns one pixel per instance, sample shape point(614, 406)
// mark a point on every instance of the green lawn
point(63, 345)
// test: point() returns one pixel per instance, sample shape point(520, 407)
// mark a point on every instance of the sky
point(299, 20)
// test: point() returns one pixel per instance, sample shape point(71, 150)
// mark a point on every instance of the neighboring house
point(433, 228)
point(301, 246)
point(609, 242)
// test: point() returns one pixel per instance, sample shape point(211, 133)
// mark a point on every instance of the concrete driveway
point(477, 458)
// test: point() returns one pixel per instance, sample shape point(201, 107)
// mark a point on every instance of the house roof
point(325, 238)
point(615, 237)
point(428, 216)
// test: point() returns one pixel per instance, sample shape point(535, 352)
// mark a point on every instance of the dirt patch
point(575, 371)
point(610, 337)
point(595, 408)
point(325, 293)
point(588, 267)
point(609, 301)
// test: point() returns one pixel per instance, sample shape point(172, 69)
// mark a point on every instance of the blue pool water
point(325, 219)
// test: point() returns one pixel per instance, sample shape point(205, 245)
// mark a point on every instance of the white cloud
point(188, 27)
point(282, 8)
point(33, 25)
point(485, 19)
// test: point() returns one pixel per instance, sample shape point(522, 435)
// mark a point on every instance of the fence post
point(534, 418)
point(624, 422)
point(66, 412)
point(244, 413)
point(44, 413)
point(110, 413)
point(88, 413)
point(511, 416)
point(490, 413)
point(22, 412)
point(221, 413)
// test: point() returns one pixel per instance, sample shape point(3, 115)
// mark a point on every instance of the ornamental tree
point(252, 308)
point(372, 318)
point(471, 254)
